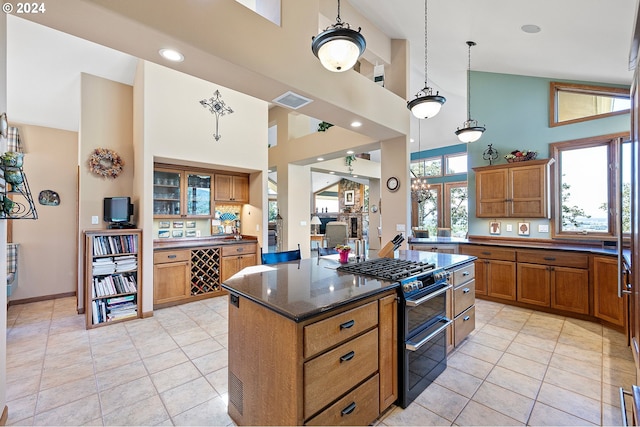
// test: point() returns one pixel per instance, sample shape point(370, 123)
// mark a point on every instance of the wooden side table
point(317, 238)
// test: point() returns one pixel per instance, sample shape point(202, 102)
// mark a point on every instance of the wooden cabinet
point(607, 305)
point(181, 193)
point(112, 276)
point(171, 273)
point(237, 257)
point(339, 368)
point(463, 302)
point(554, 279)
point(231, 188)
point(495, 270)
point(510, 190)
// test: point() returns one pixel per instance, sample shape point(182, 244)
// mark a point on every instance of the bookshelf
point(112, 276)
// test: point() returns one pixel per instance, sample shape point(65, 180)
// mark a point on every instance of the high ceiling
point(586, 40)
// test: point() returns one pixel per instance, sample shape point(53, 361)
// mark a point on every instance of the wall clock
point(393, 183)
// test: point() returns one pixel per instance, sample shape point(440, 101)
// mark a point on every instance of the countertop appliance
point(422, 319)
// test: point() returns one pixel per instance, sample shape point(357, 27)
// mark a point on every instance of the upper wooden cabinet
point(181, 193)
point(231, 188)
point(518, 190)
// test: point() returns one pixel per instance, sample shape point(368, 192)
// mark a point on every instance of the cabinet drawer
point(328, 332)
point(228, 250)
point(335, 372)
point(562, 259)
point(465, 323)
point(161, 257)
point(358, 408)
point(463, 274)
point(464, 296)
point(489, 252)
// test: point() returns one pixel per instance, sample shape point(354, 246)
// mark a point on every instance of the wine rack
point(205, 270)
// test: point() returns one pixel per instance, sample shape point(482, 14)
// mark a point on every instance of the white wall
point(175, 127)
point(3, 228)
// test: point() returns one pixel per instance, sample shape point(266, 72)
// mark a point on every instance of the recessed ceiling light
point(171, 55)
point(350, 152)
point(411, 140)
point(320, 159)
point(356, 124)
point(331, 172)
point(530, 28)
point(355, 176)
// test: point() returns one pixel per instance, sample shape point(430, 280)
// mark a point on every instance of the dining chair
point(277, 257)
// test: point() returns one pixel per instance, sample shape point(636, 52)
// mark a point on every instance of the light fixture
point(171, 55)
point(338, 47)
point(426, 104)
point(315, 221)
point(470, 131)
point(419, 185)
point(356, 124)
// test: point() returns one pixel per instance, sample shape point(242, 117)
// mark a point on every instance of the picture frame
point(349, 198)
point(178, 224)
point(190, 233)
point(190, 224)
point(494, 227)
point(523, 229)
point(163, 234)
point(164, 224)
point(176, 233)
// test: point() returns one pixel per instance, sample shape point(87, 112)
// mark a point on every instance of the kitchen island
point(311, 345)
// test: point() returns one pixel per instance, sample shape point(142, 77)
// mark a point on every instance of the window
point(456, 164)
point(584, 186)
point(457, 201)
point(427, 215)
point(573, 103)
point(427, 167)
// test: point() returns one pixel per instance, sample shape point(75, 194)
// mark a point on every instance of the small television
point(118, 211)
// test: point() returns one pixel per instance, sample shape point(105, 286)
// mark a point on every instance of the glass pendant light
point(426, 104)
point(470, 131)
point(338, 47)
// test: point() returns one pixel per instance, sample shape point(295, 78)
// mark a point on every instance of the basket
point(531, 155)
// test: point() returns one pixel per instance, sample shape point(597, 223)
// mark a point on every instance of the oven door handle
point(415, 347)
point(417, 302)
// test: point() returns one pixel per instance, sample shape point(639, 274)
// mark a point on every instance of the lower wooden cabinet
point(495, 270)
point(171, 274)
point(316, 372)
point(235, 258)
point(534, 284)
point(607, 306)
point(570, 289)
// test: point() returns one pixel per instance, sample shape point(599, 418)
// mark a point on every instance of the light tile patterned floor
point(519, 367)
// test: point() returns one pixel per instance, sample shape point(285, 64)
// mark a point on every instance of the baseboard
point(42, 298)
point(4, 416)
point(146, 314)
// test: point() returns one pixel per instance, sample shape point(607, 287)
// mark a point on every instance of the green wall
point(515, 111)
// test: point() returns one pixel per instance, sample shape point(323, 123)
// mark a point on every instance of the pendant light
point(426, 104)
point(338, 47)
point(470, 131)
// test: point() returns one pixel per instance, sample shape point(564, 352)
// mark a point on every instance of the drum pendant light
point(338, 47)
point(426, 104)
point(470, 131)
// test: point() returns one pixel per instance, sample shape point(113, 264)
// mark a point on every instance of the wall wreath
point(105, 163)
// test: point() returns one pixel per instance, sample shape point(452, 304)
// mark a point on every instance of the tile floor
point(518, 367)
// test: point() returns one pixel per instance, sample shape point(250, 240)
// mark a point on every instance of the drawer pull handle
point(466, 290)
point(172, 256)
point(486, 253)
point(349, 409)
point(466, 273)
point(347, 325)
point(549, 258)
point(348, 356)
point(466, 318)
point(239, 249)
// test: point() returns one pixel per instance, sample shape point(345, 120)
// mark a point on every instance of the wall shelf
point(22, 205)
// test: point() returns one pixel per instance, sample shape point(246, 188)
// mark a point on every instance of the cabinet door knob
point(349, 409)
point(466, 318)
point(466, 273)
point(347, 325)
point(466, 290)
point(348, 356)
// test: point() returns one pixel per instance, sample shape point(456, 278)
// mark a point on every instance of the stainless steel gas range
point(423, 323)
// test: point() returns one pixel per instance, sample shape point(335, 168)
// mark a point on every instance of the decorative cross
point(218, 107)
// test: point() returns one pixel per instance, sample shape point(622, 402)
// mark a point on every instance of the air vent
point(236, 392)
point(292, 100)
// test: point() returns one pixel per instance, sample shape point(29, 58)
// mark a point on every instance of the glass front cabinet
point(181, 193)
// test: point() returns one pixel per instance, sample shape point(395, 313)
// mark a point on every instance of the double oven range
point(422, 334)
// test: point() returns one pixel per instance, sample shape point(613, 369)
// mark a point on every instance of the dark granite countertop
point(201, 241)
point(302, 289)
